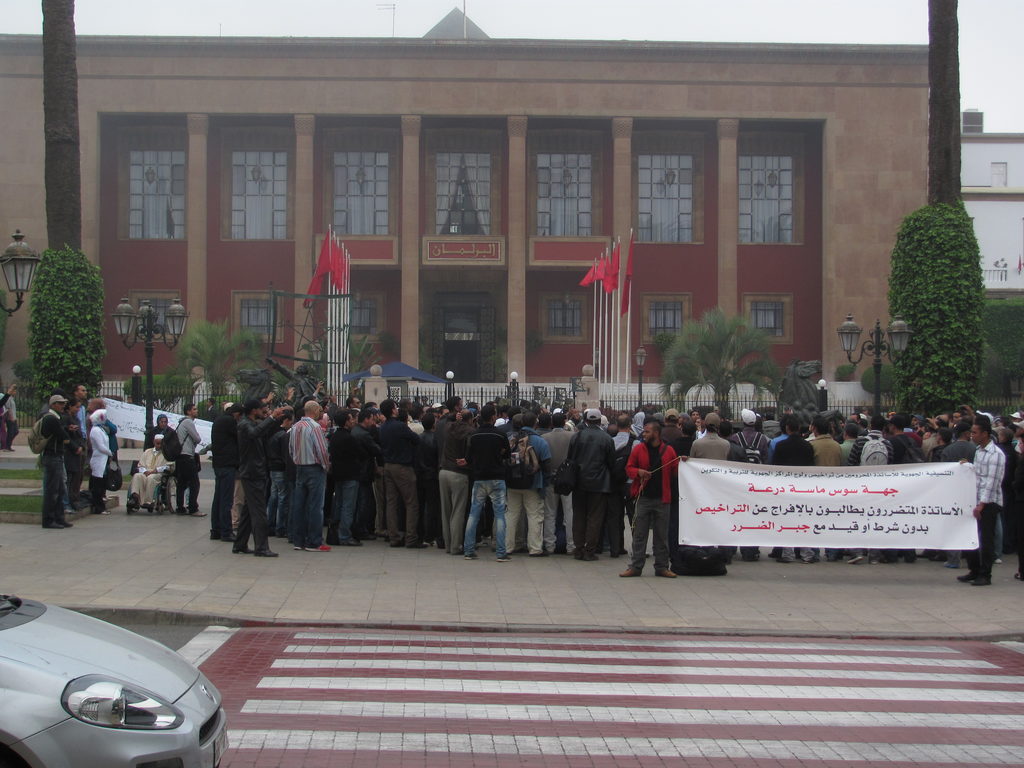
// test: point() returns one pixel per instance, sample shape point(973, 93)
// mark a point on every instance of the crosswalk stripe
point(635, 688)
point(364, 651)
point(422, 665)
point(518, 744)
point(506, 640)
point(631, 715)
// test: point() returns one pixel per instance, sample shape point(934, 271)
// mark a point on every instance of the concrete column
point(728, 215)
point(622, 220)
point(196, 216)
point(517, 240)
point(410, 234)
point(302, 221)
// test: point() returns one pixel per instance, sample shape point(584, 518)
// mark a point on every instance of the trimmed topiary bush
point(936, 286)
point(66, 327)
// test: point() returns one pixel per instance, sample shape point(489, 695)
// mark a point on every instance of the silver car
point(76, 692)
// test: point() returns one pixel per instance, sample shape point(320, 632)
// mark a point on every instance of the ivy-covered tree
point(936, 286)
point(66, 324)
point(1007, 348)
point(719, 352)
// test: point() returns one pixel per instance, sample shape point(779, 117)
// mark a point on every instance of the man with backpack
point(529, 466)
point(750, 439)
point(47, 438)
point(870, 450)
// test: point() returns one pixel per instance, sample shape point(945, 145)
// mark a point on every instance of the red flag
point(627, 283)
point(590, 277)
point(602, 268)
point(611, 276)
point(325, 265)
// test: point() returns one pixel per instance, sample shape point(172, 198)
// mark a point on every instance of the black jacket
point(486, 451)
point(348, 455)
point(224, 441)
point(594, 450)
point(277, 451)
point(252, 447)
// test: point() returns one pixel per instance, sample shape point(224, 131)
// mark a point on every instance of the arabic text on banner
point(131, 420)
point(924, 506)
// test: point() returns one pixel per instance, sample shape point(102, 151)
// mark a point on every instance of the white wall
point(976, 162)
point(999, 227)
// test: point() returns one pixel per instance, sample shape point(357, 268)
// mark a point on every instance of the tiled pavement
point(329, 697)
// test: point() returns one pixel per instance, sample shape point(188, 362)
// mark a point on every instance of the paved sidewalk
point(168, 563)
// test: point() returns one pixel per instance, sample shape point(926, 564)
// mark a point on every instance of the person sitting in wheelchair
point(146, 481)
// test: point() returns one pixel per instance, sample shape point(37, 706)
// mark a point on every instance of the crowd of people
point(517, 479)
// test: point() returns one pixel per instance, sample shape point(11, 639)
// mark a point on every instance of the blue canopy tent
point(398, 371)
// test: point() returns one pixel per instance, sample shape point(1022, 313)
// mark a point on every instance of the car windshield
point(9, 604)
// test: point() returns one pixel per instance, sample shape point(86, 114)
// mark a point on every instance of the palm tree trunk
point(60, 126)
point(943, 102)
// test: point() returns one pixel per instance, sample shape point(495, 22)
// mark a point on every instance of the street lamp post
point(449, 386)
point(136, 384)
point(513, 388)
point(143, 326)
point(640, 357)
point(890, 343)
point(19, 263)
point(822, 395)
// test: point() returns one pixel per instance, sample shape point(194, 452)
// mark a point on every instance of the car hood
point(67, 645)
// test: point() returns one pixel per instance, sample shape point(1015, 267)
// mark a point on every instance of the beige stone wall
point(872, 101)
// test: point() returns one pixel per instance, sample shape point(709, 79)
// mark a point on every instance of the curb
point(187, 618)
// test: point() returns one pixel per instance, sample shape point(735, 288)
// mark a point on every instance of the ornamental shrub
point(65, 333)
point(1003, 326)
point(936, 286)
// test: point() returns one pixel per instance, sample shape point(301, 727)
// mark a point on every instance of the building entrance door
point(461, 349)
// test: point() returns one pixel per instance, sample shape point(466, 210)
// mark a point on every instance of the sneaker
point(855, 560)
point(470, 556)
point(952, 564)
point(504, 559)
point(786, 560)
point(872, 561)
point(998, 561)
point(297, 548)
point(321, 548)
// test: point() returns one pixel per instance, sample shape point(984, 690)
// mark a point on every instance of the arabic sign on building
point(464, 250)
point(923, 506)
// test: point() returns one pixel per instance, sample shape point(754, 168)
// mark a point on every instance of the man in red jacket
point(650, 466)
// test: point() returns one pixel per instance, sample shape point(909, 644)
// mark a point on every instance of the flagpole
point(593, 325)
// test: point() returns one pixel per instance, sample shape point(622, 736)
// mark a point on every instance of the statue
point(799, 393)
point(302, 384)
point(256, 382)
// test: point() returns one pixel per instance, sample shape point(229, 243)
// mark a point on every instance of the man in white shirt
point(989, 466)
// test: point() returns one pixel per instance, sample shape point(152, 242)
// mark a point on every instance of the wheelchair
point(162, 499)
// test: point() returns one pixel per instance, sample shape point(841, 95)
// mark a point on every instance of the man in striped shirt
point(989, 466)
point(308, 448)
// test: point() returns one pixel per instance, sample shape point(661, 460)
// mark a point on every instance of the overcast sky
point(991, 48)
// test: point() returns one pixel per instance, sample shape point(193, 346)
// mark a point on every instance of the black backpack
point(752, 453)
point(172, 445)
point(523, 464)
point(619, 476)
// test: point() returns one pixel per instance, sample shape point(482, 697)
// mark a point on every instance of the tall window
point(769, 316)
point(766, 198)
point(665, 198)
point(156, 194)
point(259, 195)
point(364, 317)
point(564, 195)
point(254, 315)
point(361, 193)
point(463, 193)
point(664, 317)
point(565, 317)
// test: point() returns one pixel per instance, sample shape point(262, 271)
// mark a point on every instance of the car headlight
point(101, 701)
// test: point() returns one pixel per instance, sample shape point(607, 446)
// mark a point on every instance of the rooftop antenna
point(389, 7)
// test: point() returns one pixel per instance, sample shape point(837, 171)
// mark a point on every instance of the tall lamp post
point(142, 325)
point(890, 343)
point(449, 386)
point(19, 263)
point(822, 395)
point(640, 357)
point(513, 388)
point(136, 384)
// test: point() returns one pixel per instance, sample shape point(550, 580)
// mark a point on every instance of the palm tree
point(60, 126)
point(207, 352)
point(719, 352)
point(943, 102)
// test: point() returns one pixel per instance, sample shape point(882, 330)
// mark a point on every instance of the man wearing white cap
point(152, 465)
point(750, 440)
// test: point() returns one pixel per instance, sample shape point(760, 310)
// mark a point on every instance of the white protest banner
point(904, 506)
point(131, 421)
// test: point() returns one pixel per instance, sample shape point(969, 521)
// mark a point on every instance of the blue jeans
point(346, 495)
point(279, 502)
point(307, 512)
point(482, 490)
point(223, 496)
